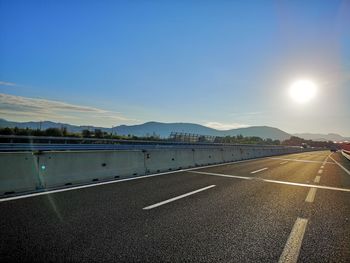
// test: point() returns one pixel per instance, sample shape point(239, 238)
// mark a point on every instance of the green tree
point(64, 131)
point(98, 133)
point(86, 133)
point(6, 131)
point(53, 132)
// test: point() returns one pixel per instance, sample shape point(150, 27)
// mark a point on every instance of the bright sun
point(303, 91)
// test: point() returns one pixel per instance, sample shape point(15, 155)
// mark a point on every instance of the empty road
point(289, 208)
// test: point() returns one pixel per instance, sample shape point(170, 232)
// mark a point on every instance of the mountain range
point(164, 130)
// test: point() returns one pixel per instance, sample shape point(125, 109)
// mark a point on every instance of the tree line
point(63, 132)
point(294, 140)
point(98, 133)
point(240, 139)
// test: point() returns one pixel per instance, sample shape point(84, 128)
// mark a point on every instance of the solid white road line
point(317, 179)
point(284, 162)
point(225, 175)
point(320, 171)
point(311, 195)
point(297, 160)
point(260, 170)
point(346, 170)
point(291, 250)
point(274, 181)
point(178, 197)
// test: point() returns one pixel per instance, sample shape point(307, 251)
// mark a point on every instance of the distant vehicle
point(333, 149)
point(304, 145)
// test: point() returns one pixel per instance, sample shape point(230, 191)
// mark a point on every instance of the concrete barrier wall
point(20, 172)
point(168, 159)
point(346, 154)
point(208, 156)
point(231, 154)
point(63, 168)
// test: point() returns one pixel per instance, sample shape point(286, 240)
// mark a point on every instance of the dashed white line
point(291, 250)
point(325, 160)
point(320, 171)
point(260, 170)
point(311, 195)
point(284, 162)
point(322, 166)
point(178, 197)
point(317, 179)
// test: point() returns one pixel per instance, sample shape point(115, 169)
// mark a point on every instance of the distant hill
point(322, 137)
point(47, 124)
point(164, 130)
point(161, 129)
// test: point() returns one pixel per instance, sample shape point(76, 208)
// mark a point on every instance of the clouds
point(224, 126)
point(34, 109)
point(5, 83)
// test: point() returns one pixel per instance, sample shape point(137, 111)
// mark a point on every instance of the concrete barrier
point(346, 154)
point(65, 168)
point(231, 154)
point(18, 172)
point(161, 160)
point(206, 156)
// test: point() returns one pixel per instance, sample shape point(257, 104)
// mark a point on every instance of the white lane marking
point(284, 162)
point(274, 181)
point(119, 181)
point(322, 166)
point(311, 195)
point(260, 170)
point(178, 197)
point(346, 170)
point(326, 159)
point(291, 250)
point(317, 179)
point(320, 171)
point(225, 175)
point(297, 160)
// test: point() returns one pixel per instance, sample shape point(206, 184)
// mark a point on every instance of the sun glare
point(302, 91)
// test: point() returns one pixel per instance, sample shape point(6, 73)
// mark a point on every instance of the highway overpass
point(285, 208)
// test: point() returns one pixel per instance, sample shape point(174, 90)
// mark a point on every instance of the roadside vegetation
point(99, 134)
point(63, 132)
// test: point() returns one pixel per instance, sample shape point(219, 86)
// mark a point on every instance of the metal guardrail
point(43, 143)
point(7, 147)
point(50, 139)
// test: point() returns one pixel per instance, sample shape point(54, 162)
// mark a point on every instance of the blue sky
point(224, 64)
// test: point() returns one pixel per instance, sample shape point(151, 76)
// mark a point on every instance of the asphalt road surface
point(290, 208)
